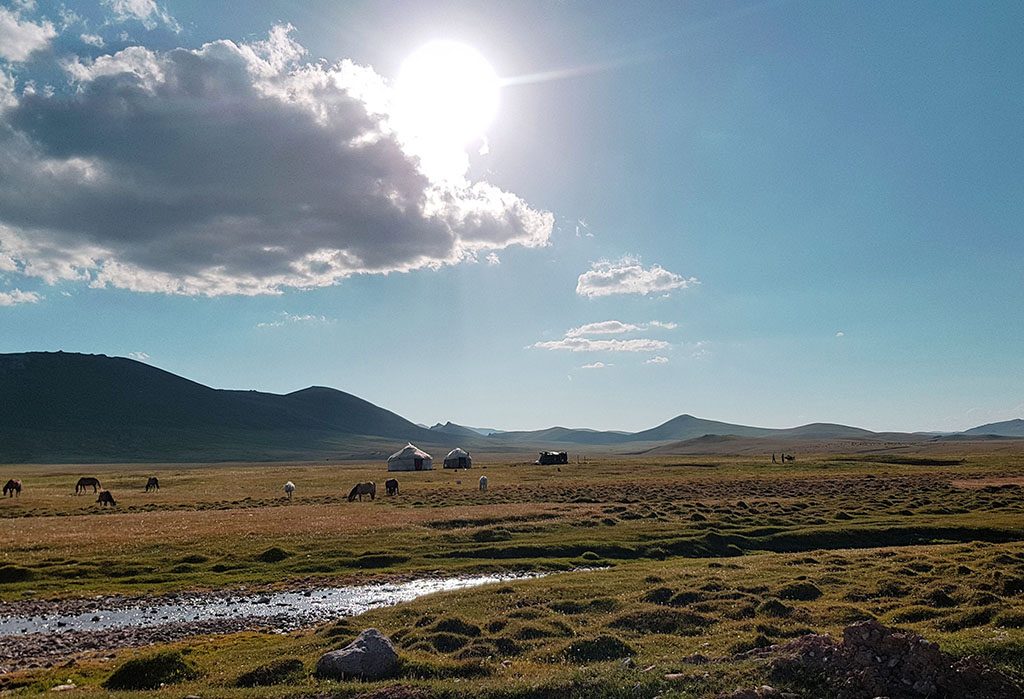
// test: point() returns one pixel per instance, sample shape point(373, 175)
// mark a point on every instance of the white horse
point(483, 484)
point(289, 488)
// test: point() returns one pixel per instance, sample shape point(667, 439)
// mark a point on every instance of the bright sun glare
point(446, 93)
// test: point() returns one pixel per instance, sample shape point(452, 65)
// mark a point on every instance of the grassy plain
point(710, 556)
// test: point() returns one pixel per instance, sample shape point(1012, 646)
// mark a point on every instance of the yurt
point(458, 458)
point(410, 459)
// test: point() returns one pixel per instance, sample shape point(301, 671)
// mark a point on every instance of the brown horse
point(391, 486)
point(86, 482)
point(106, 498)
point(152, 484)
point(12, 488)
point(362, 489)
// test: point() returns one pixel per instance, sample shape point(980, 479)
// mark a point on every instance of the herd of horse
point(104, 497)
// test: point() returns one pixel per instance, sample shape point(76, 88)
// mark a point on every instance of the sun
point(446, 94)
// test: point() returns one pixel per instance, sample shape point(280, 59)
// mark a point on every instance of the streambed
point(33, 640)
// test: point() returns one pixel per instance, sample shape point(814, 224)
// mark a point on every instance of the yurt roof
point(409, 452)
point(457, 453)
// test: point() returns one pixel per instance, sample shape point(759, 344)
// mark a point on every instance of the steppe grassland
point(709, 556)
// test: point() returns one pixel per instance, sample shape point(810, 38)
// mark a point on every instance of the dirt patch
point(978, 483)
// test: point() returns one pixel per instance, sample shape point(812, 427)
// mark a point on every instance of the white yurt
point(458, 458)
point(410, 459)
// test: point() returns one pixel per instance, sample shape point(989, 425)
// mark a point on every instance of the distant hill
point(456, 430)
point(689, 427)
point(562, 435)
point(1009, 428)
point(75, 407)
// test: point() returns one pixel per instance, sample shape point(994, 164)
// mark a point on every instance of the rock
point(63, 687)
point(371, 656)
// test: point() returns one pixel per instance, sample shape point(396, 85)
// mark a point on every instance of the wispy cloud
point(840, 333)
point(657, 360)
point(20, 38)
point(668, 325)
point(617, 327)
point(629, 276)
point(139, 356)
point(700, 349)
point(596, 365)
point(147, 12)
point(17, 296)
point(92, 40)
point(493, 259)
point(586, 344)
point(583, 229)
point(285, 318)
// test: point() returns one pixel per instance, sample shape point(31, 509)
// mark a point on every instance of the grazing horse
point(152, 484)
point(391, 485)
point(788, 457)
point(85, 482)
point(483, 484)
point(289, 488)
point(106, 498)
point(362, 489)
point(12, 488)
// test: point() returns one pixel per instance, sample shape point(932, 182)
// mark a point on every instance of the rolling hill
point(1009, 428)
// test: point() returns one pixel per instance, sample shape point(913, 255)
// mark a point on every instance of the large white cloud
point(20, 38)
point(628, 276)
point(231, 169)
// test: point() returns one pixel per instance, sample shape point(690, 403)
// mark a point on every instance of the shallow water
point(301, 608)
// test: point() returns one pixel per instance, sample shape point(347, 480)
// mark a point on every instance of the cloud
point(657, 360)
point(628, 276)
point(596, 365)
point(231, 169)
point(604, 327)
point(138, 356)
point(15, 297)
point(285, 318)
point(840, 333)
point(586, 344)
point(700, 349)
point(583, 229)
point(147, 12)
point(669, 325)
point(20, 38)
point(92, 40)
point(493, 259)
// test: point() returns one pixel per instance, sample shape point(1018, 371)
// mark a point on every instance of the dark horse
point(85, 482)
point(362, 489)
point(391, 486)
point(152, 484)
point(106, 498)
point(12, 488)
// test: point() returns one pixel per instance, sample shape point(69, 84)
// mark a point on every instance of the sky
point(595, 215)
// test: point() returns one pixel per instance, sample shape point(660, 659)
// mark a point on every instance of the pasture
point(697, 556)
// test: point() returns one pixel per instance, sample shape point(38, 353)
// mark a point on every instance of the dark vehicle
point(548, 458)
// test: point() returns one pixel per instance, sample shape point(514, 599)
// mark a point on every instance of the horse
point(106, 498)
point(483, 484)
point(362, 489)
point(289, 488)
point(12, 488)
point(85, 482)
point(391, 485)
point(152, 484)
point(788, 457)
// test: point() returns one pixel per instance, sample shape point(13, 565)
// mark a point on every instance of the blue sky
point(794, 211)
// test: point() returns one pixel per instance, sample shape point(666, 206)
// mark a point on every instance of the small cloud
point(285, 318)
point(628, 276)
point(657, 360)
point(20, 38)
point(604, 327)
point(586, 344)
point(669, 325)
point(16, 297)
point(700, 350)
point(485, 146)
point(582, 229)
point(493, 259)
point(93, 40)
point(840, 333)
point(139, 356)
point(596, 365)
point(147, 12)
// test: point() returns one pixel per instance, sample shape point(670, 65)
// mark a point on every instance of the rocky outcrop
point(873, 661)
point(371, 656)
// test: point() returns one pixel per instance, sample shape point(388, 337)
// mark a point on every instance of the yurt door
point(418, 463)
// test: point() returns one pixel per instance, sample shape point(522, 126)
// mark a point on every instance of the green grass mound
point(597, 649)
point(456, 625)
point(151, 671)
point(13, 574)
point(274, 554)
point(803, 591)
point(667, 621)
point(282, 671)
